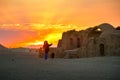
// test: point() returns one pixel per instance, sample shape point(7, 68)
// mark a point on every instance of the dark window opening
point(78, 42)
point(102, 52)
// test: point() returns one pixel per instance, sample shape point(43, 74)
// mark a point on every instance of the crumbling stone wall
point(101, 40)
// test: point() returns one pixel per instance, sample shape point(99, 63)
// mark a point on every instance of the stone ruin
point(101, 40)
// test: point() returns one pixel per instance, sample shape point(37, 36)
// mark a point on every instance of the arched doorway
point(78, 42)
point(102, 51)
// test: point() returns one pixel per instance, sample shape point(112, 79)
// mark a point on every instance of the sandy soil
point(34, 68)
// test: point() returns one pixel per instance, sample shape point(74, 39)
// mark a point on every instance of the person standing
point(46, 49)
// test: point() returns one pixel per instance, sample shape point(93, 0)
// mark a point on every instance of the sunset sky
point(30, 22)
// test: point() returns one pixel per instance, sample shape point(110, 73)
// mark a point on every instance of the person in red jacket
point(46, 49)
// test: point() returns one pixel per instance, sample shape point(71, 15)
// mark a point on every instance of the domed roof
point(105, 24)
point(106, 27)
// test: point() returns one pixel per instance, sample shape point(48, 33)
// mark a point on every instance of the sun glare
point(53, 38)
point(35, 43)
point(38, 43)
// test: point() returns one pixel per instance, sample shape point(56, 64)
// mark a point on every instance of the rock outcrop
point(2, 48)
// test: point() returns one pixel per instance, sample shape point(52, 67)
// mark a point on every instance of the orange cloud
point(28, 21)
point(32, 34)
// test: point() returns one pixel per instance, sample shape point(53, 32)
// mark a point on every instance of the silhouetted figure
point(46, 49)
point(53, 55)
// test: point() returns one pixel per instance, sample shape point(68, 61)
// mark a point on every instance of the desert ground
point(13, 67)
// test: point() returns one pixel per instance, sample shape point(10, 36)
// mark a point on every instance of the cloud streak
point(29, 20)
point(15, 35)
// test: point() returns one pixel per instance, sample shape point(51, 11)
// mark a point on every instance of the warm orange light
point(48, 19)
point(35, 43)
point(54, 37)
